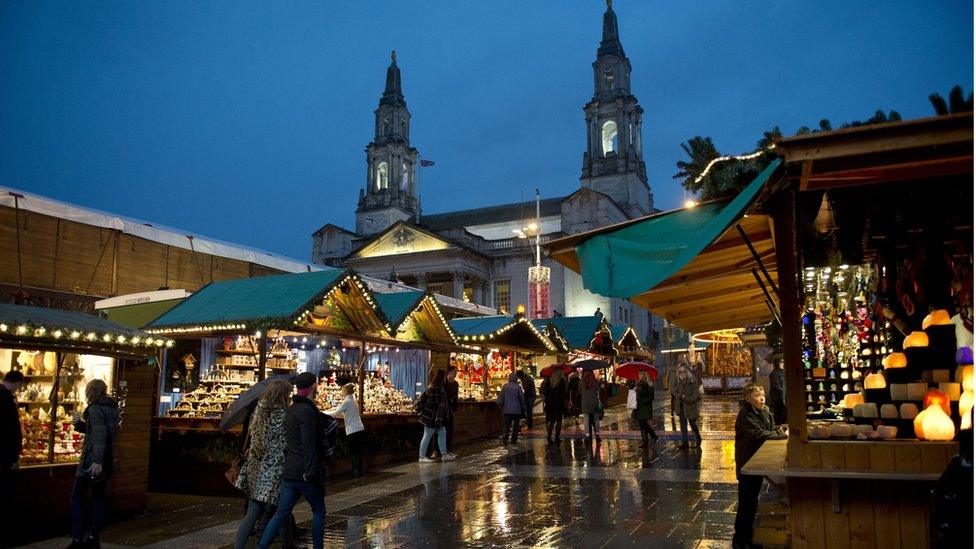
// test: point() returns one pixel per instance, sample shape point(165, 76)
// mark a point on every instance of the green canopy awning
point(692, 266)
point(501, 330)
point(398, 305)
point(631, 260)
point(578, 331)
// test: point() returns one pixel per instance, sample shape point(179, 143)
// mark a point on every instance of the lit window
point(405, 180)
point(502, 293)
point(382, 176)
point(608, 80)
point(610, 143)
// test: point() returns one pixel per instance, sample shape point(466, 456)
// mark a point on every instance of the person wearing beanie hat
point(302, 476)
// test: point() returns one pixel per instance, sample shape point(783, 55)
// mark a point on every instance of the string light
point(714, 161)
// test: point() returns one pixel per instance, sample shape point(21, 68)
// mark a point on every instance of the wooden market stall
point(592, 337)
point(264, 326)
point(494, 347)
point(59, 352)
point(871, 231)
point(875, 225)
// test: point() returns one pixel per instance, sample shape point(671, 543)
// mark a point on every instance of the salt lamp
point(917, 423)
point(895, 360)
point(937, 397)
point(899, 391)
point(874, 381)
point(853, 399)
point(936, 424)
point(940, 376)
point(952, 390)
point(907, 410)
point(938, 317)
point(965, 404)
point(841, 430)
point(964, 375)
point(916, 339)
point(964, 355)
point(916, 391)
point(889, 411)
point(887, 432)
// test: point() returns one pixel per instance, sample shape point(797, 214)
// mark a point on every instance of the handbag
point(233, 472)
point(632, 399)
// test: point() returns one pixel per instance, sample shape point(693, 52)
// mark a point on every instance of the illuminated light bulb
point(21, 330)
point(75, 334)
point(690, 203)
point(57, 334)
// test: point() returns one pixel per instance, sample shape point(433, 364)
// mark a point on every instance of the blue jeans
point(291, 490)
point(441, 439)
point(254, 510)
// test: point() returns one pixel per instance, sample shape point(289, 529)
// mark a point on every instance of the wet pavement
point(534, 494)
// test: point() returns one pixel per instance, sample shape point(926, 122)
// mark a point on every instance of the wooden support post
point(361, 367)
point(762, 267)
point(784, 220)
point(263, 356)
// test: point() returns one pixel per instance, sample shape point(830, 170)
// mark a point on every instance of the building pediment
point(401, 238)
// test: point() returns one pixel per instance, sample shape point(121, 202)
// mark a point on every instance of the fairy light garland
point(714, 161)
point(54, 333)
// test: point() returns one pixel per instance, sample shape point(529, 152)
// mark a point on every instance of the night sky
point(246, 121)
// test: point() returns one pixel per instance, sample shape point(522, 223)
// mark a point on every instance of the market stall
point(238, 332)
point(726, 362)
point(876, 225)
point(59, 352)
point(871, 229)
point(495, 346)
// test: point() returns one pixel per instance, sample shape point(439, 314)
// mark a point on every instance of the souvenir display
point(209, 400)
point(380, 397)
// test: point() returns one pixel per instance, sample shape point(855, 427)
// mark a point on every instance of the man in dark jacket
point(11, 440)
point(753, 426)
point(528, 388)
point(303, 475)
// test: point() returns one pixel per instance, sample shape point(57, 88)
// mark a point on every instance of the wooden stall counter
point(856, 493)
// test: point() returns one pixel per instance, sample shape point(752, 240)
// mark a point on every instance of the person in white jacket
point(355, 432)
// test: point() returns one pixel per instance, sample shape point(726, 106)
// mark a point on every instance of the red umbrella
point(548, 370)
point(632, 370)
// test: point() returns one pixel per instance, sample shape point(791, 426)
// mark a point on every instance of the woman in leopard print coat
point(260, 476)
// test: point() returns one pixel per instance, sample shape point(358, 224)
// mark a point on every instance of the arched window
point(382, 176)
point(610, 141)
point(608, 80)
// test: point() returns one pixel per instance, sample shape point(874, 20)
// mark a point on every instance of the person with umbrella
point(554, 402)
point(645, 408)
point(260, 477)
point(591, 405)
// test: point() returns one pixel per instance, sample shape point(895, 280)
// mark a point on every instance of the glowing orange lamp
point(874, 381)
point(938, 398)
point(895, 360)
point(916, 339)
point(935, 424)
point(939, 317)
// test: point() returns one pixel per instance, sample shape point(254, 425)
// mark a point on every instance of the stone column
point(458, 277)
point(477, 294)
point(487, 298)
point(422, 281)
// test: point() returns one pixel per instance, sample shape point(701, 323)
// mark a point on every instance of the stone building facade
point(476, 254)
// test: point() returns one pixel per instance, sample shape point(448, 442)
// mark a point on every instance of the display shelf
point(236, 352)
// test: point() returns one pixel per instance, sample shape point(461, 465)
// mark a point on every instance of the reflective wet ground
point(534, 494)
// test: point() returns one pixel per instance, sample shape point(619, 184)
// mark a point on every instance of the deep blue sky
point(246, 121)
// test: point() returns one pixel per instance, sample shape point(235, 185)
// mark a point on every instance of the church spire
point(393, 95)
point(610, 45)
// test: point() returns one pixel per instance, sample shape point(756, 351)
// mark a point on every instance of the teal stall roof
point(578, 331)
point(398, 305)
point(480, 325)
point(251, 300)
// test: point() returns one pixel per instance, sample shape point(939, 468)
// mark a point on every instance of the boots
point(559, 430)
point(643, 442)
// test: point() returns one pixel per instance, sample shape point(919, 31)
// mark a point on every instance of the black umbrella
point(591, 364)
point(237, 411)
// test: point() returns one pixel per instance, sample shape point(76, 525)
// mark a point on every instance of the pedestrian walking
point(100, 424)
point(528, 389)
point(554, 394)
point(645, 409)
point(11, 441)
point(689, 399)
point(512, 402)
point(777, 392)
point(591, 405)
point(451, 389)
point(355, 431)
point(753, 426)
point(574, 397)
point(260, 477)
point(673, 392)
point(435, 412)
point(303, 474)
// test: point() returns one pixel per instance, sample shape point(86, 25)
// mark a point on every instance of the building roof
point(501, 330)
point(396, 306)
point(492, 214)
point(150, 231)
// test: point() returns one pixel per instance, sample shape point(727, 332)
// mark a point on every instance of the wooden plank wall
point(875, 513)
point(130, 485)
point(68, 256)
